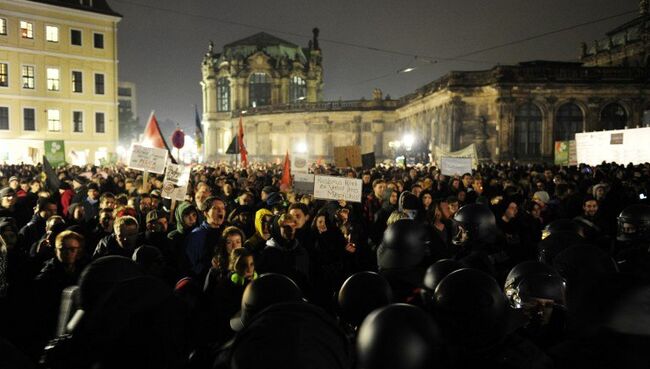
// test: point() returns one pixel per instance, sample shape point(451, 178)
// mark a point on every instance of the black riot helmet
point(472, 310)
point(476, 223)
point(398, 336)
point(533, 279)
point(362, 293)
point(434, 274)
point(561, 225)
point(634, 223)
point(268, 289)
point(405, 245)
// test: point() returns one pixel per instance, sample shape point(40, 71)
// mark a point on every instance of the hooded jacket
point(257, 243)
point(178, 237)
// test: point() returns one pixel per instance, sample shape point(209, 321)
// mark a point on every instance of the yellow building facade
point(58, 79)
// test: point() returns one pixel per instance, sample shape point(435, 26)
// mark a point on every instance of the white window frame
point(8, 73)
point(47, 34)
point(81, 32)
point(4, 21)
point(20, 27)
point(103, 40)
point(95, 122)
point(83, 121)
point(8, 118)
point(72, 81)
point(48, 121)
point(95, 84)
point(22, 84)
point(47, 78)
point(22, 113)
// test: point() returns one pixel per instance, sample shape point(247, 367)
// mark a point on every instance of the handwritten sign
point(177, 177)
point(303, 183)
point(337, 188)
point(299, 163)
point(455, 166)
point(148, 159)
point(347, 156)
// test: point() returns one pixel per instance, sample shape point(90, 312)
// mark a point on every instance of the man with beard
point(201, 242)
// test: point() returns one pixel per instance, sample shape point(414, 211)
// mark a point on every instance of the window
point(223, 94)
point(77, 121)
point(568, 122)
point(75, 37)
point(77, 81)
point(4, 75)
point(52, 33)
point(98, 40)
point(124, 91)
point(297, 89)
point(99, 84)
point(28, 76)
point(29, 119)
point(53, 120)
point(3, 26)
point(528, 131)
point(53, 80)
point(26, 29)
point(4, 118)
point(259, 89)
point(125, 105)
point(613, 117)
point(100, 126)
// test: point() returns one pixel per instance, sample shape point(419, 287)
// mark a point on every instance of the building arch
point(614, 115)
point(569, 120)
point(260, 84)
point(529, 121)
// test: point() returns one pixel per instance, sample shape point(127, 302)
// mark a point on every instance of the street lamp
point(408, 141)
point(301, 147)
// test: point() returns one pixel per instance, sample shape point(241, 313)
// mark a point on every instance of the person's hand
point(351, 247)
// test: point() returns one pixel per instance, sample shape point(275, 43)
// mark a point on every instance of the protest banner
point(337, 188)
point(455, 166)
point(347, 156)
point(299, 163)
point(467, 152)
point(177, 177)
point(561, 156)
point(55, 152)
point(303, 183)
point(368, 160)
point(147, 159)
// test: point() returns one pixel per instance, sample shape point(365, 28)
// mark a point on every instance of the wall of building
point(17, 51)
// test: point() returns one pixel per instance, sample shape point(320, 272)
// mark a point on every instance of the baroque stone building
point(513, 111)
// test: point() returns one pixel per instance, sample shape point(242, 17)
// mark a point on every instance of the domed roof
point(273, 46)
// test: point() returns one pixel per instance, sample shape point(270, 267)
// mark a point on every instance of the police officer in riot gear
point(632, 247)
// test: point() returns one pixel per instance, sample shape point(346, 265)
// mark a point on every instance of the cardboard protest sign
point(148, 159)
point(177, 177)
point(455, 166)
point(303, 183)
point(299, 163)
point(368, 160)
point(347, 156)
point(337, 188)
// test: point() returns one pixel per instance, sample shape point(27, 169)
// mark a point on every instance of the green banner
point(561, 152)
point(55, 152)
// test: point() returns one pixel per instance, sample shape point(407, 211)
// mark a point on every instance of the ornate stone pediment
point(259, 60)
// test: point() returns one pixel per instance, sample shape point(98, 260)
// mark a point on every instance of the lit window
point(99, 84)
point(98, 40)
point(297, 89)
point(53, 80)
point(53, 120)
point(75, 37)
point(100, 125)
point(4, 74)
point(26, 30)
point(77, 81)
point(77, 121)
point(223, 94)
point(4, 118)
point(3, 26)
point(29, 119)
point(52, 33)
point(28, 77)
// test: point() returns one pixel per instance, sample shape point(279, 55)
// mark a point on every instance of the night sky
point(161, 50)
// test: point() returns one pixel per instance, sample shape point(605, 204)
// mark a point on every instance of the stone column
point(505, 126)
point(592, 117)
point(456, 106)
point(548, 137)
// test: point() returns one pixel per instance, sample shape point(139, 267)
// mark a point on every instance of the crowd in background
point(512, 266)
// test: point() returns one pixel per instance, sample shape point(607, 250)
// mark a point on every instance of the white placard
point(148, 159)
point(592, 148)
point(299, 163)
point(177, 177)
point(455, 166)
point(337, 188)
point(303, 183)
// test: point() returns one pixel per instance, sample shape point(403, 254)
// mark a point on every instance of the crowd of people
point(510, 266)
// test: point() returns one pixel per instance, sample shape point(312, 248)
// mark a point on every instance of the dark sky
point(161, 50)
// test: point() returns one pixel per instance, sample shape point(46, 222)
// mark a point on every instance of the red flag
point(286, 171)
point(240, 141)
point(152, 135)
